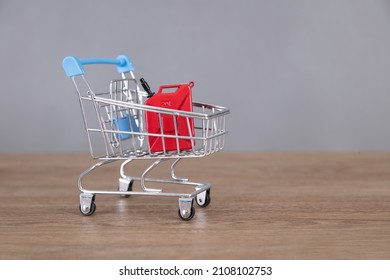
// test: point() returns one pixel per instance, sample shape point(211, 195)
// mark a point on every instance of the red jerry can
point(176, 97)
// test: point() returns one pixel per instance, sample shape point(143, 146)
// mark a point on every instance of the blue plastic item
point(124, 125)
point(73, 66)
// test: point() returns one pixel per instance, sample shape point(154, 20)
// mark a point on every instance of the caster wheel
point(187, 217)
point(203, 199)
point(129, 189)
point(88, 211)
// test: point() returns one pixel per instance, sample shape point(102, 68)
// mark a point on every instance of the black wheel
point(129, 189)
point(203, 203)
point(192, 214)
point(91, 210)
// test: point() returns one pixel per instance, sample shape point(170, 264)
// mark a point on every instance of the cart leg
point(87, 198)
point(122, 168)
point(87, 203)
point(90, 169)
point(186, 208)
point(153, 165)
point(125, 182)
point(179, 179)
point(125, 185)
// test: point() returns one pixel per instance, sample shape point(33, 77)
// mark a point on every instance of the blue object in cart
point(125, 125)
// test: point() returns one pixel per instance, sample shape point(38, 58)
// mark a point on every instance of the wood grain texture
point(264, 206)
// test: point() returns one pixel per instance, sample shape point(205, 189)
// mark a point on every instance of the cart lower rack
point(116, 128)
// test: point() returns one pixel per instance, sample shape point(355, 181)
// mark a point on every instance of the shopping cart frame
point(211, 126)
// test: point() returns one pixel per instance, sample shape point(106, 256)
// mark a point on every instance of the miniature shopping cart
point(116, 125)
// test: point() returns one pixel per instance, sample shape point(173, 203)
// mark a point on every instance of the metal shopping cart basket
point(116, 128)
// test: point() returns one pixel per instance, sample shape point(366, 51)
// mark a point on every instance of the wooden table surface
point(332, 205)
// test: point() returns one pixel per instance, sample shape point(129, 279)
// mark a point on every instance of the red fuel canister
point(176, 97)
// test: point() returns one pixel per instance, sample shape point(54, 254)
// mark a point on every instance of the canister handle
point(73, 66)
point(160, 89)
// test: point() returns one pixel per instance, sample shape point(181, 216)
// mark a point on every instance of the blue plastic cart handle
point(73, 66)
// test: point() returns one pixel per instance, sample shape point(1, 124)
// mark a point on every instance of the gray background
point(297, 75)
